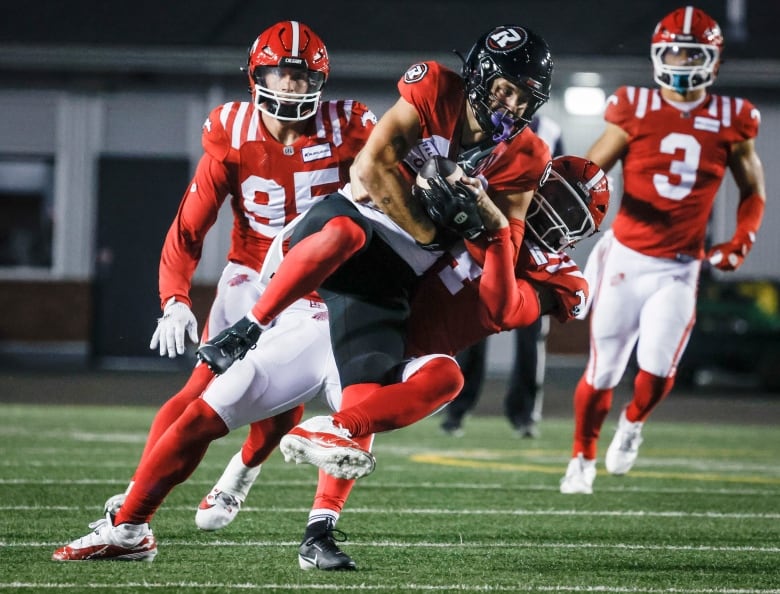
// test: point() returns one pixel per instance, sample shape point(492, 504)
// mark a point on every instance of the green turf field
point(699, 513)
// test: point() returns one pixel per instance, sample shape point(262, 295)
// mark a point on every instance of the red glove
point(730, 255)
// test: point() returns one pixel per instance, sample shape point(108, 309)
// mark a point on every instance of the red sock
point(265, 435)
point(308, 264)
point(649, 390)
point(200, 377)
point(172, 460)
point(332, 492)
point(399, 405)
point(590, 409)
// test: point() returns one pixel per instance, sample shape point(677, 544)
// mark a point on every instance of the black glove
point(449, 202)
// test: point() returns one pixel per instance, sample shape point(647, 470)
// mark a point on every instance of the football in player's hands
point(449, 202)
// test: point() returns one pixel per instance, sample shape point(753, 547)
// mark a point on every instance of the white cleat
point(623, 450)
point(579, 477)
point(217, 510)
point(318, 441)
point(222, 504)
point(126, 542)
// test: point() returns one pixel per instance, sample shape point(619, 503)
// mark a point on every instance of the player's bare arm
point(747, 169)
point(376, 171)
point(491, 215)
point(513, 204)
point(609, 148)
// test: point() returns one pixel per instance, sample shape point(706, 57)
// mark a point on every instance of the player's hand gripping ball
point(449, 202)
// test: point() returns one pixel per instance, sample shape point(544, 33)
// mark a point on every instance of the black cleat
point(321, 552)
point(232, 343)
point(452, 426)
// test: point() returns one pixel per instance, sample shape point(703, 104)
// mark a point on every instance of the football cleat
point(217, 510)
point(113, 503)
point(623, 450)
point(318, 441)
point(452, 426)
point(579, 477)
point(126, 542)
point(322, 552)
point(220, 352)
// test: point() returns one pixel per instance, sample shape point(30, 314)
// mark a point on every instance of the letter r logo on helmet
point(506, 38)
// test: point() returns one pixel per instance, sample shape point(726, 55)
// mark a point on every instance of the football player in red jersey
point(676, 143)
point(366, 259)
point(457, 304)
point(272, 159)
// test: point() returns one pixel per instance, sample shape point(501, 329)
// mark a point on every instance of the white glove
point(169, 336)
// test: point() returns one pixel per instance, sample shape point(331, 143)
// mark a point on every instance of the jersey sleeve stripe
point(726, 111)
point(641, 104)
point(238, 125)
point(335, 123)
point(254, 126)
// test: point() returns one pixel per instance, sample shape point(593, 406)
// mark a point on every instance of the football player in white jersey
point(676, 143)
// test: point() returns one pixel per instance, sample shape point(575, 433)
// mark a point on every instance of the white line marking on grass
point(384, 587)
point(447, 545)
point(371, 483)
point(450, 512)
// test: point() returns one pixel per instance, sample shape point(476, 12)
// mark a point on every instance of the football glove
point(449, 202)
point(176, 322)
point(730, 255)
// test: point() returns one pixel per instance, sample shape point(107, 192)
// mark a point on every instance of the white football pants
point(637, 300)
point(291, 364)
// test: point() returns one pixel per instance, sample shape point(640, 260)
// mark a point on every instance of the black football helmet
point(518, 55)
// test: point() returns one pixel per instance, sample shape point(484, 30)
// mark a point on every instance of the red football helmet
point(571, 204)
point(686, 49)
point(293, 58)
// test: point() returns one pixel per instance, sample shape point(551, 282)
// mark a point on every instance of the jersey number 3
point(684, 168)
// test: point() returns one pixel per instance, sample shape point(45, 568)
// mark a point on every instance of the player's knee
point(449, 377)
point(199, 418)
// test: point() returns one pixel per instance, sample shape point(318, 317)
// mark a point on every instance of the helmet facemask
point(696, 70)
point(287, 106)
point(559, 214)
point(494, 119)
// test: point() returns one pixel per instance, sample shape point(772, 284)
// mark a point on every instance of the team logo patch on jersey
point(415, 73)
point(506, 39)
point(707, 124)
point(312, 153)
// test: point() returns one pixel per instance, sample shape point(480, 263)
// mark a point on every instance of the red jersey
point(673, 167)
point(268, 183)
point(439, 96)
point(458, 303)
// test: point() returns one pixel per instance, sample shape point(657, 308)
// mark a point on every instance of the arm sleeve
point(505, 302)
point(197, 213)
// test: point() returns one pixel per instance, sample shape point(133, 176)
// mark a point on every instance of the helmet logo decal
point(415, 73)
point(506, 39)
